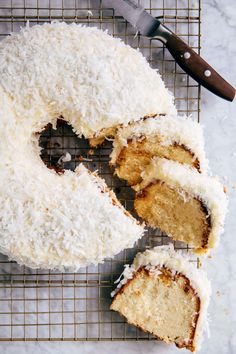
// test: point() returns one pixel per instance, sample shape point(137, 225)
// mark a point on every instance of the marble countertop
point(219, 118)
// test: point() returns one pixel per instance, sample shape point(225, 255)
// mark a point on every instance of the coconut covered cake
point(67, 220)
point(51, 71)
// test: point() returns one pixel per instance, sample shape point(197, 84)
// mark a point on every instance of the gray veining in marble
point(219, 118)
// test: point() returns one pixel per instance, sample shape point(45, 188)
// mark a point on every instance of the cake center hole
point(63, 150)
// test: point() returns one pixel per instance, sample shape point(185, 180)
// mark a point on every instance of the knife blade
point(184, 55)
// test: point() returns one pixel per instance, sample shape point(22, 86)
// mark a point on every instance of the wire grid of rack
point(45, 305)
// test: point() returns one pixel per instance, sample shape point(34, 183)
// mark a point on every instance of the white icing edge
point(206, 188)
point(174, 129)
point(180, 263)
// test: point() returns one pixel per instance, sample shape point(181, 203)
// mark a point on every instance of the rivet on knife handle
point(198, 68)
point(189, 60)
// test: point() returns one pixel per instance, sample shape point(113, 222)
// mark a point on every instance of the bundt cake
point(172, 137)
point(183, 203)
point(94, 82)
point(164, 294)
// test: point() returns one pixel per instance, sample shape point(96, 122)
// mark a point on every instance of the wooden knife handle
point(198, 68)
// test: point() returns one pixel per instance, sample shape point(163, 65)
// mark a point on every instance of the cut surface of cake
point(173, 137)
point(187, 206)
point(164, 294)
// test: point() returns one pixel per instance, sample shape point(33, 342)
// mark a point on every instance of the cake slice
point(164, 294)
point(186, 205)
point(174, 137)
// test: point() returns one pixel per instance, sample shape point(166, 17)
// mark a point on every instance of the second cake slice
point(186, 205)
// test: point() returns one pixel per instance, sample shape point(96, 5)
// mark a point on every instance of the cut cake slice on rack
point(186, 205)
point(174, 137)
point(164, 294)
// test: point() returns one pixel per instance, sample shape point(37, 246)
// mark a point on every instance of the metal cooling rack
point(44, 305)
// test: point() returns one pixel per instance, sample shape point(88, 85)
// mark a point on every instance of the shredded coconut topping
point(93, 81)
point(54, 221)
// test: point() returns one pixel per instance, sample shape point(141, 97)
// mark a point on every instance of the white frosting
point(172, 128)
point(207, 189)
point(49, 220)
point(178, 263)
point(93, 80)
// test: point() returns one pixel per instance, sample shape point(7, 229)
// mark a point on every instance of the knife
point(184, 55)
